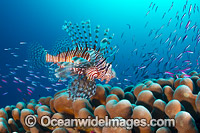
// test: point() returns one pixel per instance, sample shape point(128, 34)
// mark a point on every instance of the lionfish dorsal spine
point(96, 34)
point(72, 32)
point(88, 25)
point(84, 32)
point(77, 29)
point(106, 33)
point(110, 38)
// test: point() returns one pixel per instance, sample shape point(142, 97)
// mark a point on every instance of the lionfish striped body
point(100, 71)
point(84, 60)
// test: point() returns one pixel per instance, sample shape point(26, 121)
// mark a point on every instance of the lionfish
point(83, 58)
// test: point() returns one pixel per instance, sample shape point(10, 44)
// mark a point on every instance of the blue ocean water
point(147, 33)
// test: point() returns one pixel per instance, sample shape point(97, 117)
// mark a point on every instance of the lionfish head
point(109, 75)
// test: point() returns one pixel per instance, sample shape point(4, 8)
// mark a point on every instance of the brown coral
point(155, 98)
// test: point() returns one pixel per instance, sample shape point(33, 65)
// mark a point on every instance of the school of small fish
point(171, 47)
point(20, 79)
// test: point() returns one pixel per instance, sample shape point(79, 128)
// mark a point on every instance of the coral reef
point(176, 98)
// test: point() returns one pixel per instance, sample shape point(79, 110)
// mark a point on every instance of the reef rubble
point(175, 98)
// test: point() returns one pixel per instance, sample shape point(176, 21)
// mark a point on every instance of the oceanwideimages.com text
point(129, 124)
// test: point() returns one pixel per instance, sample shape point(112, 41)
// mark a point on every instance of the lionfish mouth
point(82, 59)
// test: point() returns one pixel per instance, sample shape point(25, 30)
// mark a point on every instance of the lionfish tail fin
point(80, 87)
point(37, 56)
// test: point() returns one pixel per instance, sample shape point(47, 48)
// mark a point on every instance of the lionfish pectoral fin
point(80, 87)
point(58, 64)
point(52, 64)
point(67, 65)
point(79, 60)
